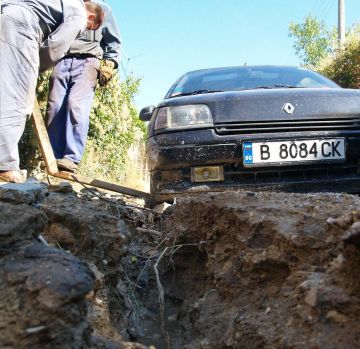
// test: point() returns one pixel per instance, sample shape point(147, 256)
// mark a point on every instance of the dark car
point(254, 128)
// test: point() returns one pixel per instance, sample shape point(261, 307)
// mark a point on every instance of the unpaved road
point(226, 270)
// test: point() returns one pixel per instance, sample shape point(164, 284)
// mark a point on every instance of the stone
point(337, 317)
point(338, 262)
point(19, 224)
point(352, 236)
point(160, 208)
point(332, 296)
point(29, 192)
point(43, 296)
point(63, 188)
point(311, 297)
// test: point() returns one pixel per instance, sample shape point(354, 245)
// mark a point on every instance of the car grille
point(281, 174)
point(275, 126)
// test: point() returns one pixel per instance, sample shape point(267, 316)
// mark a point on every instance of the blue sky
point(163, 39)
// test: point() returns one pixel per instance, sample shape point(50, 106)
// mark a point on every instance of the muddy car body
point(254, 128)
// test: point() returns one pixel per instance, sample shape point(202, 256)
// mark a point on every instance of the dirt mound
point(264, 270)
point(47, 295)
point(228, 270)
point(42, 290)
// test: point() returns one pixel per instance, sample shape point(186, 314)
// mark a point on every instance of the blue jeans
point(20, 38)
point(71, 93)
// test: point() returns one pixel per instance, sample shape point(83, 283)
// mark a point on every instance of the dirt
point(225, 270)
point(276, 271)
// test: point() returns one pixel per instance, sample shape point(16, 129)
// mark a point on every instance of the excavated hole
point(182, 274)
point(233, 271)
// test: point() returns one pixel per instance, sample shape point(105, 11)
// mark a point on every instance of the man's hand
point(106, 72)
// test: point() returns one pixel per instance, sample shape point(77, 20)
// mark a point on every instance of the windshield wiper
point(269, 87)
point(272, 86)
point(286, 86)
point(196, 92)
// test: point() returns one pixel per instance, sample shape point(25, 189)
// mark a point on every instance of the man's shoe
point(13, 176)
point(67, 165)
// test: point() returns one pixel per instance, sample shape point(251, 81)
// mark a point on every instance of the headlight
point(183, 116)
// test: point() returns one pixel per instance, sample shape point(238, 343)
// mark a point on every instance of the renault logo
point(288, 108)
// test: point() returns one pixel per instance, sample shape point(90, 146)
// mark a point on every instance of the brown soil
point(227, 270)
point(269, 271)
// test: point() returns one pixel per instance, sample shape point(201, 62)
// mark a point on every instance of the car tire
point(157, 198)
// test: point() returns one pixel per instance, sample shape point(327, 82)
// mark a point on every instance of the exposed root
point(173, 250)
point(161, 298)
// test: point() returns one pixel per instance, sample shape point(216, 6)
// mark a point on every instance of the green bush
point(344, 65)
point(318, 49)
point(114, 127)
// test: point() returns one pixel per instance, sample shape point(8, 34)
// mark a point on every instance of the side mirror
point(146, 113)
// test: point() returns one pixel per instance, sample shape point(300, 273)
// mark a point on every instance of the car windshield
point(247, 78)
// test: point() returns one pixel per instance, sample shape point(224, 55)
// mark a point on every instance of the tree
point(313, 41)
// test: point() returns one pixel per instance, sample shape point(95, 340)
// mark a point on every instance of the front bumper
point(171, 158)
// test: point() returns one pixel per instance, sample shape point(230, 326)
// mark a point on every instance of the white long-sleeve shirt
point(104, 42)
point(61, 22)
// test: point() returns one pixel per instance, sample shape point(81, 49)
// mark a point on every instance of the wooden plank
point(43, 140)
point(52, 168)
point(101, 184)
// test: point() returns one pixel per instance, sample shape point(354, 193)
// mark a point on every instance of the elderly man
point(27, 25)
point(72, 87)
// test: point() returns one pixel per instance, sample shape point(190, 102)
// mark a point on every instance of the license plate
point(293, 151)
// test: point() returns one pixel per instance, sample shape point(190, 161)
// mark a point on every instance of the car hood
point(268, 105)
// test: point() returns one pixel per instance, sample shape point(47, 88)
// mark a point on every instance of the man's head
point(95, 15)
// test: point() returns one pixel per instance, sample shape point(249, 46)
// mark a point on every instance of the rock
point(205, 344)
point(29, 192)
point(99, 277)
point(42, 299)
point(320, 292)
point(160, 208)
point(337, 317)
point(19, 224)
point(135, 346)
point(311, 297)
point(311, 286)
point(338, 262)
point(352, 236)
point(330, 295)
point(102, 343)
point(63, 188)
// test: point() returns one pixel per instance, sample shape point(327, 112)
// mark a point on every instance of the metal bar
point(101, 184)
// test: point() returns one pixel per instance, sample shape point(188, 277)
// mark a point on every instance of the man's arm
point(111, 40)
point(58, 42)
